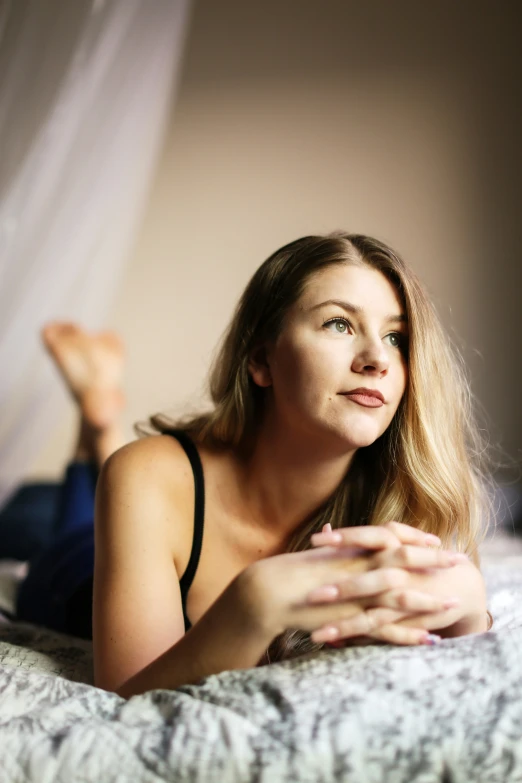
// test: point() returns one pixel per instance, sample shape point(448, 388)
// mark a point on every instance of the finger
point(415, 601)
point(362, 585)
point(432, 620)
point(410, 535)
point(422, 557)
point(327, 528)
point(375, 536)
point(360, 624)
point(364, 536)
point(397, 634)
point(381, 583)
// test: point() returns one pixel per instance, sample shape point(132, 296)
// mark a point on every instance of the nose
point(371, 357)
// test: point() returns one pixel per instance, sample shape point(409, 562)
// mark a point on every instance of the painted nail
point(450, 602)
point(325, 634)
point(431, 639)
point(326, 538)
point(460, 557)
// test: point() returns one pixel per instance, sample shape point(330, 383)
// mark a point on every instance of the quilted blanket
point(380, 713)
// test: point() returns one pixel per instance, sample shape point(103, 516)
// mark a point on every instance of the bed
point(375, 714)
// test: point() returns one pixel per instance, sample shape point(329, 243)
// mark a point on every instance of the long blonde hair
point(428, 469)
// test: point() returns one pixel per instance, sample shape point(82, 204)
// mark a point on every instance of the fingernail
point(431, 539)
point(327, 538)
point(431, 639)
point(325, 634)
point(327, 528)
point(460, 557)
point(450, 602)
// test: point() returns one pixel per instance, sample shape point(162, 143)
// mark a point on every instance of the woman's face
point(327, 349)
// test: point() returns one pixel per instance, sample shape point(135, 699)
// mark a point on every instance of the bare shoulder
point(156, 458)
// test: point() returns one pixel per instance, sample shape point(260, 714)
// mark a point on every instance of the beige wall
point(300, 117)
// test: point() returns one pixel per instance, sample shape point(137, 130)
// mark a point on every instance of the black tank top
point(199, 515)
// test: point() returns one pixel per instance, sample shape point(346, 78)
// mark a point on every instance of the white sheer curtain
point(85, 89)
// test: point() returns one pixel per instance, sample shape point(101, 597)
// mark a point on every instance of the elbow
point(133, 686)
point(122, 690)
point(124, 693)
point(105, 682)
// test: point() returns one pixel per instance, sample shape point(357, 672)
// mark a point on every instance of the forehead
point(362, 286)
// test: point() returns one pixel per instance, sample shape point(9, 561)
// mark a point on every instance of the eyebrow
point(356, 310)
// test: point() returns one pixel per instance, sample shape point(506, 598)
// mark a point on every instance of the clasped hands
point(390, 594)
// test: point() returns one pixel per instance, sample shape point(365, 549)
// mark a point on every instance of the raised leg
point(91, 364)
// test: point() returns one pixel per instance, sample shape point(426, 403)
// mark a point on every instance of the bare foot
point(91, 364)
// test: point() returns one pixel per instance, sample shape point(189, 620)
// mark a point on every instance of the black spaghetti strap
point(199, 515)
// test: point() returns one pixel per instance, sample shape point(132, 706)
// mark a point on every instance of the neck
point(287, 477)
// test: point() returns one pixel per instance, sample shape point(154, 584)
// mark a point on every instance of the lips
point(368, 398)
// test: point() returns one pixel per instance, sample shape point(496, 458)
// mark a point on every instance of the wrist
point(257, 615)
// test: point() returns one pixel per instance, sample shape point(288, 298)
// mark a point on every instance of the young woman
point(338, 406)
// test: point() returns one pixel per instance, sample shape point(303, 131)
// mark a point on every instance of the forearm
point(226, 637)
point(463, 581)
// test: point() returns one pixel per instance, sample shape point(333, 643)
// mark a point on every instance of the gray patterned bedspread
point(371, 714)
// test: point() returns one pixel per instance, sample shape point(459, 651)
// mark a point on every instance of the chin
point(358, 436)
point(355, 432)
point(361, 443)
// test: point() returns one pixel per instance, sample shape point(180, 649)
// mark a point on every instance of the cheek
point(302, 372)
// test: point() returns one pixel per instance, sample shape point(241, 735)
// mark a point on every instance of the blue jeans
point(28, 521)
point(57, 592)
